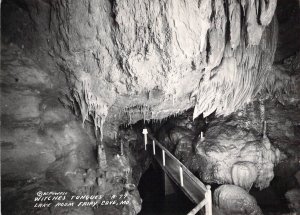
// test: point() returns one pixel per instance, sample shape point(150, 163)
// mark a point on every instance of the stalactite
point(232, 69)
point(205, 16)
point(91, 105)
point(262, 115)
point(216, 36)
point(234, 9)
point(144, 113)
point(242, 72)
point(130, 117)
point(267, 11)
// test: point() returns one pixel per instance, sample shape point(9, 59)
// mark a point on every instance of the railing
point(190, 185)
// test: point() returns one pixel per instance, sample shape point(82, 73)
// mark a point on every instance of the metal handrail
point(186, 170)
point(207, 201)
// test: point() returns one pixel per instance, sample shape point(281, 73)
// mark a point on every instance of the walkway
point(193, 188)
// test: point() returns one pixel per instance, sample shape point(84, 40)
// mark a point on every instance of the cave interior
point(216, 82)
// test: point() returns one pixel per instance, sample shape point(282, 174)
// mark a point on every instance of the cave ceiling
point(127, 60)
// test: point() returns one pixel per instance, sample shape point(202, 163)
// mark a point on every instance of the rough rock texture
point(36, 130)
point(234, 155)
point(45, 147)
point(230, 200)
point(38, 133)
point(244, 174)
point(244, 125)
point(240, 135)
point(123, 59)
point(235, 150)
point(293, 197)
point(134, 150)
point(178, 134)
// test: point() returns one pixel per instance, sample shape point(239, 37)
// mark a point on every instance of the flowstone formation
point(164, 46)
point(238, 158)
point(254, 147)
point(230, 150)
point(131, 60)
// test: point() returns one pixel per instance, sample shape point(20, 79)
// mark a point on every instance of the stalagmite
point(102, 163)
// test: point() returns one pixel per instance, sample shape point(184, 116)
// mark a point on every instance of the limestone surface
point(131, 60)
point(231, 200)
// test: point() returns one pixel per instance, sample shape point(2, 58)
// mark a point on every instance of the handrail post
point(201, 136)
point(208, 206)
point(145, 132)
point(164, 157)
point(198, 207)
point(153, 145)
point(181, 176)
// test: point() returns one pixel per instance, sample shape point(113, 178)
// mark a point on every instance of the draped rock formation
point(131, 60)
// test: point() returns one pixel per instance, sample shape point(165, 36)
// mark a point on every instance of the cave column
point(101, 157)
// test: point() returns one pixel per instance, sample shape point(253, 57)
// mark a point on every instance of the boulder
point(233, 200)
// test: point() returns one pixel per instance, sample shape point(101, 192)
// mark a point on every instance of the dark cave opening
point(154, 194)
point(270, 200)
point(152, 191)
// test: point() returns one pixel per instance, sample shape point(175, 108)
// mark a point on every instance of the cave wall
point(37, 134)
point(46, 147)
point(36, 129)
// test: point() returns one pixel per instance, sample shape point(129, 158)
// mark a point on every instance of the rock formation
point(44, 146)
point(123, 59)
point(230, 200)
point(235, 156)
